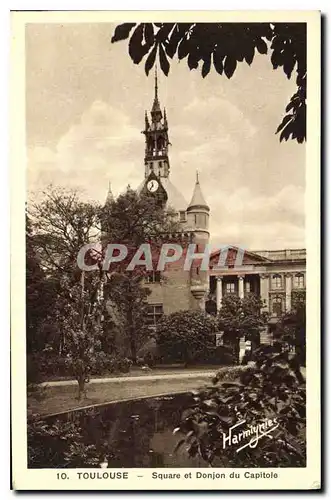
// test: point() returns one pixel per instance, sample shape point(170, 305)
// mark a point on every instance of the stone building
point(275, 275)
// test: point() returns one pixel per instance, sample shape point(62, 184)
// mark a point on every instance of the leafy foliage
point(40, 295)
point(270, 390)
point(239, 318)
point(186, 336)
point(127, 294)
point(60, 225)
point(132, 219)
point(223, 46)
point(291, 328)
point(59, 444)
point(68, 318)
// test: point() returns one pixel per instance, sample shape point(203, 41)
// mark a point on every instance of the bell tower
point(156, 139)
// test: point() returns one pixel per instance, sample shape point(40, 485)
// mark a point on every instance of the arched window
point(160, 143)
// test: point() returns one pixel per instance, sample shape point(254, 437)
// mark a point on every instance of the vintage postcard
point(165, 181)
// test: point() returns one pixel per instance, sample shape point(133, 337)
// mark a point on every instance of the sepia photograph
point(166, 263)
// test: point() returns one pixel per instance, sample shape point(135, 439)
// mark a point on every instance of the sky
point(85, 105)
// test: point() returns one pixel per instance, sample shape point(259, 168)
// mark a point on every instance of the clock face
point(152, 185)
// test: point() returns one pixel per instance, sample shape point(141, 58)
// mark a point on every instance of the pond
point(137, 433)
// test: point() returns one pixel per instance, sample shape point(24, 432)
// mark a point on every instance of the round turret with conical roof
point(198, 213)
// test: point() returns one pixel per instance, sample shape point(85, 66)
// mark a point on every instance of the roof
point(198, 198)
point(175, 198)
point(232, 254)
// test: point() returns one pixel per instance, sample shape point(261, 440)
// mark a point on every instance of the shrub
point(230, 373)
point(272, 389)
point(59, 444)
point(42, 366)
point(186, 336)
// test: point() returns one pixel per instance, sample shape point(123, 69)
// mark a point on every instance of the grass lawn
point(62, 398)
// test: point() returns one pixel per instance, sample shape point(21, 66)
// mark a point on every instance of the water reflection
point(138, 433)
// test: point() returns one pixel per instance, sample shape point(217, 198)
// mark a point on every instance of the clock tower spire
point(156, 139)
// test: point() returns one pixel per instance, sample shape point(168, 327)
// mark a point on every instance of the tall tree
point(133, 220)
point(223, 46)
point(61, 224)
point(41, 292)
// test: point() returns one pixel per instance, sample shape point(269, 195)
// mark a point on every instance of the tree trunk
point(81, 388)
point(132, 335)
point(232, 341)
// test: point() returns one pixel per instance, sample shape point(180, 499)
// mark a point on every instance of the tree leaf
point(136, 48)
point(163, 33)
point(178, 34)
point(276, 59)
point(218, 63)
point(285, 120)
point(226, 420)
point(193, 59)
point(230, 66)
point(285, 134)
point(288, 67)
point(206, 67)
point(179, 444)
point(164, 63)
point(150, 60)
point(183, 48)
point(261, 46)
point(149, 34)
point(122, 31)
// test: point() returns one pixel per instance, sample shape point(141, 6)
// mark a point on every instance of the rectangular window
point(230, 288)
point(247, 286)
point(153, 277)
point(182, 216)
point(277, 306)
point(276, 281)
point(154, 313)
point(299, 281)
